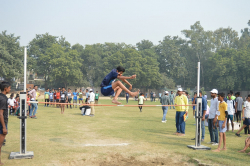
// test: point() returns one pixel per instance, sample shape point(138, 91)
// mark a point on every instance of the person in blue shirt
point(204, 110)
point(109, 86)
point(75, 98)
point(51, 97)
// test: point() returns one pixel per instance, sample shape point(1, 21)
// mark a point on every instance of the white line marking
point(122, 144)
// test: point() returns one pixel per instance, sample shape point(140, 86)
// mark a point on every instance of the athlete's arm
point(124, 77)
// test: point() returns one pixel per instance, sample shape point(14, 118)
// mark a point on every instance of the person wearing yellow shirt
point(180, 112)
point(222, 120)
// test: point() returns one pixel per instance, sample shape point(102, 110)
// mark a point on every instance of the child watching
point(222, 120)
point(141, 101)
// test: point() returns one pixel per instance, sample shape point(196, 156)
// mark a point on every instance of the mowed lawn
point(61, 139)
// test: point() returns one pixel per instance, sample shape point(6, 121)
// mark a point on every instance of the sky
point(128, 21)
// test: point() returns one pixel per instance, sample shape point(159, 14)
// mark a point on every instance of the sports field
point(115, 136)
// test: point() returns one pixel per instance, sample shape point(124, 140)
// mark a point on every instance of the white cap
point(91, 90)
point(214, 91)
point(180, 89)
point(166, 92)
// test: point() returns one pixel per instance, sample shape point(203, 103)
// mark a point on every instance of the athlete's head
point(120, 70)
point(5, 87)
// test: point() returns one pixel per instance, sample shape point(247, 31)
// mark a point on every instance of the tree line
point(224, 55)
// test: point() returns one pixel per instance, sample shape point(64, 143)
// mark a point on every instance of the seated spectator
point(85, 107)
point(247, 145)
point(11, 103)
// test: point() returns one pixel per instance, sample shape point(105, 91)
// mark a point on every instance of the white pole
point(25, 66)
point(198, 79)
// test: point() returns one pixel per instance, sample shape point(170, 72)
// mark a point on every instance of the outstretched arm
point(124, 77)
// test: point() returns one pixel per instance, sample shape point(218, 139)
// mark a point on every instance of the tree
point(65, 66)
point(11, 57)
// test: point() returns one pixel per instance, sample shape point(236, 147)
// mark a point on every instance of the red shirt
point(57, 95)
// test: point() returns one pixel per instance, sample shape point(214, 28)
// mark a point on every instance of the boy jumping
point(109, 86)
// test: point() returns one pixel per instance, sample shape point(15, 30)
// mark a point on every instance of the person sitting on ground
point(247, 145)
point(85, 107)
point(109, 86)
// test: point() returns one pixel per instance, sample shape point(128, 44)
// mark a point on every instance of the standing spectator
point(222, 120)
point(180, 112)
point(230, 111)
point(87, 95)
point(46, 98)
point(171, 96)
point(58, 95)
point(51, 97)
point(205, 96)
point(33, 94)
point(159, 96)
point(28, 99)
point(80, 98)
point(165, 100)
point(146, 96)
point(203, 109)
point(69, 97)
point(141, 101)
point(152, 96)
point(17, 105)
point(127, 97)
point(5, 89)
point(54, 94)
point(63, 99)
point(96, 97)
point(212, 121)
point(75, 98)
point(91, 96)
point(238, 107)
point(11, 103)
point(246, 116)
point(193, 102)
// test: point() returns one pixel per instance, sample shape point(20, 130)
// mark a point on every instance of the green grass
point(58, 139)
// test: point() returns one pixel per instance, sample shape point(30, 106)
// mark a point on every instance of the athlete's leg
point(118, 83)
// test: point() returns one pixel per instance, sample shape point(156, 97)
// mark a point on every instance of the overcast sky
point(129, 21)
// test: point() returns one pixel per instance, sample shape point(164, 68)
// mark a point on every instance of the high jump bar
point(109, 105)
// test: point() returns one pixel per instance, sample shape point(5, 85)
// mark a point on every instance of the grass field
point(58, 139)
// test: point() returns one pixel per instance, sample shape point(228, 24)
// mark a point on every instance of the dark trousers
point(127, 99)
point(180, 123)
point(46, 100)
point(69, 101)
point(213, 131)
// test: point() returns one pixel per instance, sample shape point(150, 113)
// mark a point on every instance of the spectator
point(46, 98)
point(11, 103)
point(230, 111)
point(127, 97)
point(33, 96)
point(172, 99)
point(51, 97)
point(75, 98)
point(165, 100)
point(180, 112)
point(152, 96)
point(141, 101)
point(238, 107)
point(96, 97)
point(91, 96)
point(69, 98)
point(63, 99)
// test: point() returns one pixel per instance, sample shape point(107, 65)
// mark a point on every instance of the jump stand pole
point(23, 117)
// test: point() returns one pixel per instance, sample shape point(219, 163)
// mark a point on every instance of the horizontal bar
point(109, 105)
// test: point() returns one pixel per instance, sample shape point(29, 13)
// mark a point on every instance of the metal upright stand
point(23, 116)
point(198, 117)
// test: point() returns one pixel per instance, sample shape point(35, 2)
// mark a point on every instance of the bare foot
point(176, 133)
point(116, 102)
point(224, 149)
point(133, 94)
point(216, 150)
point(181, 135)
point(1, 163)
point(242, 151)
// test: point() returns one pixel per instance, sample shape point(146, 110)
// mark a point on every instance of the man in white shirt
point(214, 106)
point(92, 101)
point(11, 103)
point(230, 111)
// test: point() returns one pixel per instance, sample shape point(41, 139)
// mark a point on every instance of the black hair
point(86, 89)
point(171, 91)
point(12, 95)
point(120, 68)
point(186, 92)
point(248, 96)
point(195, 93)
point(4, 85)
point(141, 94)
point(238, 93)
point(63, 87)
point(221, 94)
point(231, 92)
point(75, 89)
